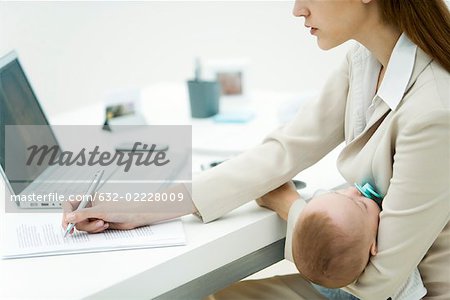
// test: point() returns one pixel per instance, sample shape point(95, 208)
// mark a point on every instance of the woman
point(389, 101)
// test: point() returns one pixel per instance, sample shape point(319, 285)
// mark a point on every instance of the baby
point(335, 236)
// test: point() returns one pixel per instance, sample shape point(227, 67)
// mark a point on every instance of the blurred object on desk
point(204, 98)
point(234, 117)
point(231, 73)
point(123, 107)
point(204, 95)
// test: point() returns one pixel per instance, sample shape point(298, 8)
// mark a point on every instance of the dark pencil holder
point(204, 98)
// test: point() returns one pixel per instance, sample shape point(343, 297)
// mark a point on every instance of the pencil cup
point(204, 98)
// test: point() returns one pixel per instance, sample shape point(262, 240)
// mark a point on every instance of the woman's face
point(334, 22)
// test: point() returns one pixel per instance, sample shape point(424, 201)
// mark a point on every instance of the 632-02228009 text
point(139, 197)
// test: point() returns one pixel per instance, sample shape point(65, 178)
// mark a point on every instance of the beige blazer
point(405, 153)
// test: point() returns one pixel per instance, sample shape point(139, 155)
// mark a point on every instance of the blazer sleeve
point(317, 128)
point(416, 207)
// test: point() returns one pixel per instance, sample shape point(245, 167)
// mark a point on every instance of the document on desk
point(41, 234)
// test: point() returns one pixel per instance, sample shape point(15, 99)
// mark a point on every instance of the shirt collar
point(398, 72)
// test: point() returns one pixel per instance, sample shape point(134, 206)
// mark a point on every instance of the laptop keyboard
point(63, 181)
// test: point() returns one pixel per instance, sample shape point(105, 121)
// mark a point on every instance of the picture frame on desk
point(232, 74)
point(123, 107)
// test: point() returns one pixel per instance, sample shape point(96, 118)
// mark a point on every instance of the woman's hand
point(280, 199)
point(101, 215)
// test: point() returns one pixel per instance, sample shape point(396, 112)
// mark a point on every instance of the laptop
point(20, 106)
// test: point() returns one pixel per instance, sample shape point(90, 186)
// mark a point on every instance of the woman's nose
point(300, 9)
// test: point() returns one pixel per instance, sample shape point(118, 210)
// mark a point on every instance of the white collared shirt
point(393, 86)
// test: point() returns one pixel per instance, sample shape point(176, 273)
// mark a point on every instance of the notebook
point(41, 234)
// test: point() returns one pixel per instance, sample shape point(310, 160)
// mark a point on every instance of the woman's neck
point(380, 78)
point(380, 38)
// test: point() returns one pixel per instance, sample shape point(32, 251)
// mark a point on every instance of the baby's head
point(335, 236)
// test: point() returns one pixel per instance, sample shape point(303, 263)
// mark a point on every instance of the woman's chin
point(326, 45)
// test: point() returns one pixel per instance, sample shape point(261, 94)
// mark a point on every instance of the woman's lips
point(312, 30)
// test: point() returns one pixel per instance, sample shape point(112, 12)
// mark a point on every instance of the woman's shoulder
point(427, 100)
point(431, 87)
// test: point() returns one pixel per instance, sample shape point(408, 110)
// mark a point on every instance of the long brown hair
point(426, 22)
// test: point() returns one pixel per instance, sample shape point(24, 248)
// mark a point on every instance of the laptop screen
point(19, 106)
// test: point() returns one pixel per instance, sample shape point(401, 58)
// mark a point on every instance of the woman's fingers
point(98, 218)
point(68, 207)
point(82, 219)
point(122, 226)
point(97, 226)
point(84, 214)
point(91, 226)
point(101, 229)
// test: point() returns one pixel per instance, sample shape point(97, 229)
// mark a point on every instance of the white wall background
point(74, 52)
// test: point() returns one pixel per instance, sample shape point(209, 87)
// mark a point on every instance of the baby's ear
point(373, 249)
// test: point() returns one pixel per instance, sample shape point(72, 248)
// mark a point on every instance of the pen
point(211, 164)
point(90, 191)
point(198, 69)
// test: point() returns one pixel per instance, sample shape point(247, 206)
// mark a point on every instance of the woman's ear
point(373, 249)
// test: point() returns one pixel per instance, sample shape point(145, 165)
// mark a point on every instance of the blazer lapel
point(382, 109)
point(422, 61)
point(380, 112)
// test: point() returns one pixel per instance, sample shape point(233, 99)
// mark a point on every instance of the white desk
point(146, 273)
point(244, 241)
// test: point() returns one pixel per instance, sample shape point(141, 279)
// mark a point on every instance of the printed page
point(39, 234)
